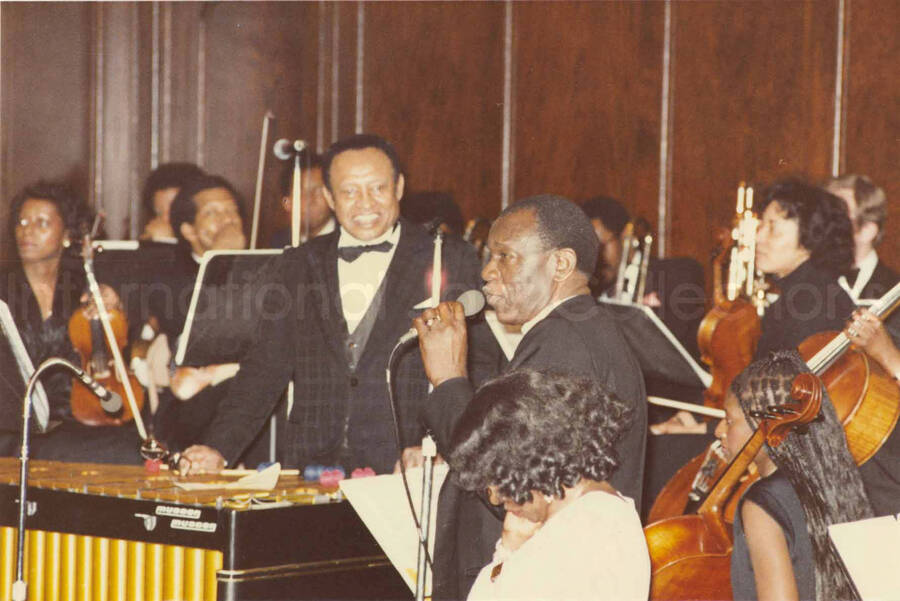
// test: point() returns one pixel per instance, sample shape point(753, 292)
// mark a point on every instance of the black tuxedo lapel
point(405, 284)
point(883, 279)
point(323, 269)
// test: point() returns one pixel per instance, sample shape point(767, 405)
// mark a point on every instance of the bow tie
point(352, 253)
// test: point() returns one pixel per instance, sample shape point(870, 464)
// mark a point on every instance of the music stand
point(224, 312)
point(15, 370)
point(225, 306)
point(659, 353)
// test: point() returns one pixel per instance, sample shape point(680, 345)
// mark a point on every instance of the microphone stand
point(20, 587)
point(429, 451)
point(150, 449)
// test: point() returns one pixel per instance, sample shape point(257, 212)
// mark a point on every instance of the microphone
point(285, 149)
point(110, 401)
point(472, 302)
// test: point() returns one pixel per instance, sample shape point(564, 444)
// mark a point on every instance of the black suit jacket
point(340, 415)
point(578, 337)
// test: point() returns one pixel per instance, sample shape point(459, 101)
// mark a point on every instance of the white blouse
point(593, 548)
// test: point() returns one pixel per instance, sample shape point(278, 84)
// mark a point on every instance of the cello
point(729, 332)
point(690, 555)
point(727, 339)
point(865, 397)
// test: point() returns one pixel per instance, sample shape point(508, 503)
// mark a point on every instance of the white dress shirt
point(542, 314)
point(359, 281)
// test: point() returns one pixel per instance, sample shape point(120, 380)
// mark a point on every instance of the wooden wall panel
point(872, 133)
point(46, 93)
point(259, 56)
point(587, 101)
point(179, 56)
point(753, 91)
point(434, 87)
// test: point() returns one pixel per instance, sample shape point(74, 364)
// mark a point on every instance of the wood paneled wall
point(666, 105)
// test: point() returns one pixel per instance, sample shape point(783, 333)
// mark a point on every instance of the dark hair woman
point(42, 288)
point(541, 444)
point(781, 547)
point(805, 241)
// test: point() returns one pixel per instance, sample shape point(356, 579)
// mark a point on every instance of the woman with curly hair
point(781, 548)
point(805, 242)
point(541, 445)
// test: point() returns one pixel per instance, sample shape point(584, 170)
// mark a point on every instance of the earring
point(66, 243)
point(548, 498)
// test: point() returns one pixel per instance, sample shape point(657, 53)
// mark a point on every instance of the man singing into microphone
point(543, 250)
point(340, 304)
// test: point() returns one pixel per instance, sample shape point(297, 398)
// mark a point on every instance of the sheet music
point(39, 403)
point(630, 326)
point(381, 503)
point(870, 550)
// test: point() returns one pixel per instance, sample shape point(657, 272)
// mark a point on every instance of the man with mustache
point(543, 251)
point(335, 310)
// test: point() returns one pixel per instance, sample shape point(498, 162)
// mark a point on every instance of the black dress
point(67, 440)
point(775, 496)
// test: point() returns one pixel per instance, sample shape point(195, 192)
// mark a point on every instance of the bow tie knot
point(352, 253)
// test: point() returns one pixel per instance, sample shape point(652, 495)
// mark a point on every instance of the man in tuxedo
point(867, 206)
point(543, 251)
point(335, 312)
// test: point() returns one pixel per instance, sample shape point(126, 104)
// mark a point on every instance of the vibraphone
point(115, 533)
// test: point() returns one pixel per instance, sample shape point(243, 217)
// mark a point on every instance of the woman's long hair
point(816, 462)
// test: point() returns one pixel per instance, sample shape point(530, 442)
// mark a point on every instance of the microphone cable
point(392, 400)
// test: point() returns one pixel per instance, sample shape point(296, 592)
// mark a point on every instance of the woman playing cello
point(781, 548)
point(805, 242)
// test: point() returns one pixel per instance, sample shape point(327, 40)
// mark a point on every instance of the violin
point(690, 555)
point(91, 337)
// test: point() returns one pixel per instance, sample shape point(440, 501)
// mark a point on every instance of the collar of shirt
point(528, 325)
point(348, 239)
point(359, 281)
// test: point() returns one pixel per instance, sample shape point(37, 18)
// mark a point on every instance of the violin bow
point(94, 288)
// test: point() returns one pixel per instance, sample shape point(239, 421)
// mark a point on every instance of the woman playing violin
point(781, 548)
point(805, 242)
point(43, 288)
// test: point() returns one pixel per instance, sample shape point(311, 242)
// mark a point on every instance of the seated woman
point(541, 444)
point(43, 288)
point(805, 242)
point(781, 548)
